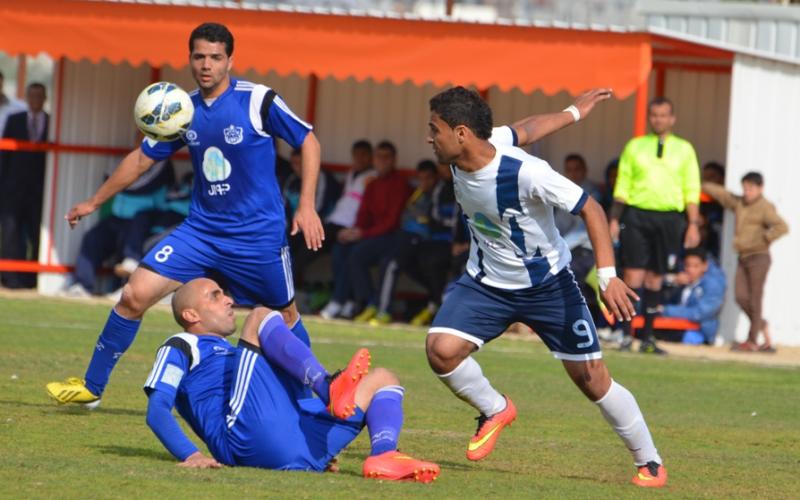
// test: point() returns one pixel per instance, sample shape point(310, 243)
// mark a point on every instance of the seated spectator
point(710, 210)
point(422, 245)
point(758, 225)
point(328, 191)
point(701, 298)
point(366, 244)
point(107, 238)
point(342, 217)
point(149, 227)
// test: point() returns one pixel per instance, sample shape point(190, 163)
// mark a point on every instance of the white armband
point(604, 276)
point(571, 109)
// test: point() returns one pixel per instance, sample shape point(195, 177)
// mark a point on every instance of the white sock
point(620, 409)
point(468, 383)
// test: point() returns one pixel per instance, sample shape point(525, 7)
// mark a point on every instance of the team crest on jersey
point(233, 135)
point(483, 225)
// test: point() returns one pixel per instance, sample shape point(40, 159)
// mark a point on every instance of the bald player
point(246, 403)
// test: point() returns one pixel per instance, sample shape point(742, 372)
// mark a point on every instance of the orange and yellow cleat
point(651, 475)
point(344, 384)
point(489, 428)
point(396, 466)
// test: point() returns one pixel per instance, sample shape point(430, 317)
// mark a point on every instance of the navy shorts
point(255, 274)
point(270, 426)
point(555, 309)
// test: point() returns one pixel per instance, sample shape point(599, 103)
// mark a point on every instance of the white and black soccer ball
point(163, 111)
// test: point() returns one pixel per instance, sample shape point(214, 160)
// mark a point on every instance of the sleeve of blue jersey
point(165, 427)
point(581, 202)
point(170, 366)
point(282, 122)
point(157, 150)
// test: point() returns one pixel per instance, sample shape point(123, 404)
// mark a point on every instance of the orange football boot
point(651, 475)
point(396, 466)
point(489, 428)
point(342, 393)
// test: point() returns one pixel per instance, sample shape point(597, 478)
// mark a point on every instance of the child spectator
point(757, 226)
point(701, 298)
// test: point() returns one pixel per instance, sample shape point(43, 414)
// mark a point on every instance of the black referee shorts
point(651, 240)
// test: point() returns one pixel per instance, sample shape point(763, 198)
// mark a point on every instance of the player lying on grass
point(247, 402)
point(518, 270)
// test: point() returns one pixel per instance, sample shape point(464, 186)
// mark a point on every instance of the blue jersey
point(195, 371)
point(246, 411)
point(231, 143)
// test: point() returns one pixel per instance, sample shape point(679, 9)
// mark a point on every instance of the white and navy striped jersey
point(509, 205)
point(232, 145)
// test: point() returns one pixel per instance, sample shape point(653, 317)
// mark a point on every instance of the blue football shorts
point(271, 426)
point(254, 273)
point(555, 309)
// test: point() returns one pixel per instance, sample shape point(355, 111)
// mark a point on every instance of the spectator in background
point(328, 192)
point(701, 297)
point(8, 105)
point(711, 210)
point(107, 238)
point(368, 242)
point(656, 195)
point(421, 247)
point(21, 187)
point(149, 227)
point(758, 225)
point(610, 177)
point(343, 217)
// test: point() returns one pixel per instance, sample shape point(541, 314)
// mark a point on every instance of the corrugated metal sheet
point(763, 137)
point(766, 30)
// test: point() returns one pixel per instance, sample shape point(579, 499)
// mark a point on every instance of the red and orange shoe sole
point(396, 466)
point(343, 388)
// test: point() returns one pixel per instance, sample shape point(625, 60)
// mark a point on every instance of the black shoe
point(625, 344)
point(650, 347)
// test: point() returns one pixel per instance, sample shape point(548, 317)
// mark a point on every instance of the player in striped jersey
point(518, 270)
point(248, 403)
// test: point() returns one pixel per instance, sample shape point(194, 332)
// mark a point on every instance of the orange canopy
point(341, 46)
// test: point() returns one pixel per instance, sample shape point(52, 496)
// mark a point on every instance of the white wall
point(763, 136)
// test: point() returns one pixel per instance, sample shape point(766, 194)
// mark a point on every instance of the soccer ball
point(163, 111)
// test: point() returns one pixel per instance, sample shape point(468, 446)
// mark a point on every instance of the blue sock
point(281, 347)
point(300, 331)
point(114, 340)
point(385, 419)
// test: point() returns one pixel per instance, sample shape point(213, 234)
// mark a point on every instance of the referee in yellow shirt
point(655, 212)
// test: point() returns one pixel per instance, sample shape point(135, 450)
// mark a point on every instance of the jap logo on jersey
point(191, 137)
point(216, 168)
point(233, 135)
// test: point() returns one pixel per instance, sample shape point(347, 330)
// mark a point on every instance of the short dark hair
point(753, 178)
point(212, 32)
point(698, 252)
point(661, 100)
point(426, 166)
point(387, 145)
point(460, 106)
point(716, 167)
point(37, 85)
point(576, 157)
point(361, 145)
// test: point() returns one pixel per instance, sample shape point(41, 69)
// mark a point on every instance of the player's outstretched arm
point(166, 428)
point(616, 294)
point(533, 128)
point(306, 218)
point(130, 169)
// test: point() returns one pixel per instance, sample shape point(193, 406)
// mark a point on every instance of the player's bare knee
point(445, 352)
point(131, 303)
point(591, 377)
point(251, 324)
point(383, 377)
point(290, 314)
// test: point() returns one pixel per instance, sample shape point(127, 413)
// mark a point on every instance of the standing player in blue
point(248, 403)
point(518, 270)
point(236, 223)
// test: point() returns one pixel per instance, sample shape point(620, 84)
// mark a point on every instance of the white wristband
point(571, 109)
point(604, 276)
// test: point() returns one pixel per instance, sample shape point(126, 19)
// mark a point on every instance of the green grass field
point(724, 429)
